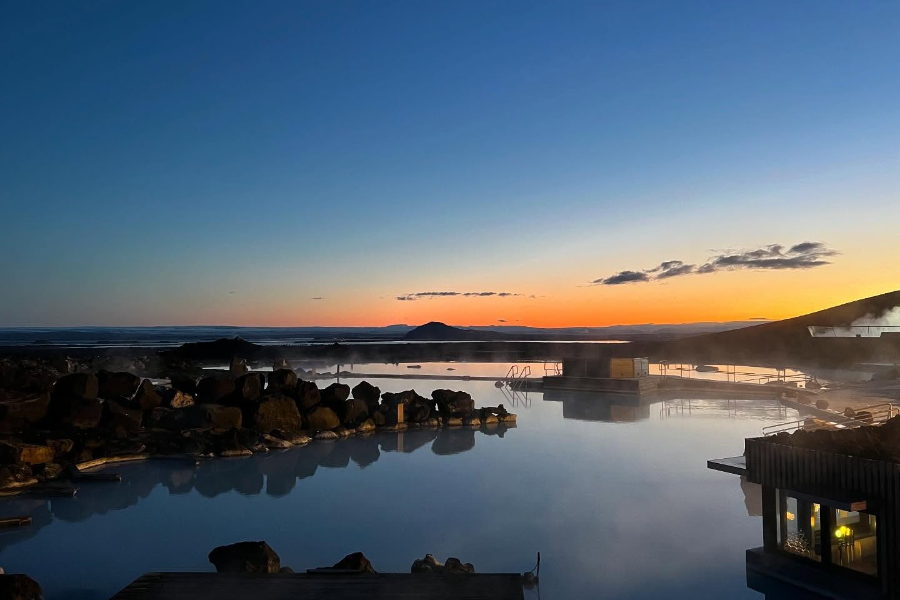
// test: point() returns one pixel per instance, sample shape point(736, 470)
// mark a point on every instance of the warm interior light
point(842, 532)
point(790, 516)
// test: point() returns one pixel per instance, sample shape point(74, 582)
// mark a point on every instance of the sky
point(370, 163)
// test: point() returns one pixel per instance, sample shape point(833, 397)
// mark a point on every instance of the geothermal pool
point(616, 498)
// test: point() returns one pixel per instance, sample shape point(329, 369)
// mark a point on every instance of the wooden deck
point(384, 586)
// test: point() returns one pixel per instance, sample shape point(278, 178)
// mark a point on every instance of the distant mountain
point(436, 331)
point(789, 341)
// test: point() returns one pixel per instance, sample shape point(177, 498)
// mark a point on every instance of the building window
point(799, 527)
point(853, 541)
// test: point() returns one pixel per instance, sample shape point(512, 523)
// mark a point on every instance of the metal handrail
point(877, 415)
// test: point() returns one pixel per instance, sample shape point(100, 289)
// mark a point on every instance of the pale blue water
point(617, 509)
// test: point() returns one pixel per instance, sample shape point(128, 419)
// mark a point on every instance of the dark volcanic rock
point(238, 366)
point(368, 393)
point(84, 385)
point(212, 389)
point(277, 412)
point(307, 394)
point(281, 363)
point(353, 412)
point(18, 410)
point(116, 385)
point(321, 418)
point(282, 381)
point(184, 383)
point(245, 557)
point(176, 399)
point(30, 454)
point(80, 413)
point(19, 587)
point(430, 564)
point(116, 415)
point(454, 404)
point(355, 562)
point(335, 393)
point(147, 396)
point(249, 387)
point(213, 415)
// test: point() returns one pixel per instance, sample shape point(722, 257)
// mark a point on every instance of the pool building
point(831, 521)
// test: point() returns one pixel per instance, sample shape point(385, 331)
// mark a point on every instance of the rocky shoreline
point(59, 416)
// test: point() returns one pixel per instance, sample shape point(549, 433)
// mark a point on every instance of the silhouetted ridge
point(436, 331)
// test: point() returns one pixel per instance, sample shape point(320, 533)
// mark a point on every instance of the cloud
point(623, 277)
point(501, 320)
point(805, 255)
point(317, 298)
point(444, 294)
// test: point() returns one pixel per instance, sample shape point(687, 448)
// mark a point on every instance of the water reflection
point(274, 474)
point(594, 406)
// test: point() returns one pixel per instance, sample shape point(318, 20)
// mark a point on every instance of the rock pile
point(49, 422)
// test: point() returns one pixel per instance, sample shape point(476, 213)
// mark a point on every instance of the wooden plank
point(278, 586)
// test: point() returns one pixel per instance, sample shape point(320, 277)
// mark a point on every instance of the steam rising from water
point(889, 318)
point(868, 326)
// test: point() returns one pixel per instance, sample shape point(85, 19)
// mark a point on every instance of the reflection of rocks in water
point(277, 472)
point(752, 497)
point(407, 441)
point(363, 450)
point(453, 441)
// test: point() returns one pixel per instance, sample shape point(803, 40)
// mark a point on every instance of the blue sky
point(224, 162)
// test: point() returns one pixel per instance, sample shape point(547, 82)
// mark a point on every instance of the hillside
point(436, 331)
point(789, 341)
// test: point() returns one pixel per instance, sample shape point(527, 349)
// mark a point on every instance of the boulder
point(355, 562)
point(238, 366)
point(248, 388)
point(245, 557)
point(822, 403)
point(428, 564)
point(60, 447)
point(116, 415)
point(454, 565)
point(30, 454)
point(281, 363)
point(335, 393)
point(419, 410)
point(321, 418)
point(16, 475)
point(83, 385)
point(368, 393)
point(277, 412)
point(366, 426)
point(21, 409)
point(213, 389)
point(147, 396)
point(307, 395)
point(116, 385)
point(456, 404)
point(216, 416)
point(353, 412)
point(176, 399)
point(19, 587)
point(184, 383)
point(80, 413)
point(392, 399)
point(282, 381)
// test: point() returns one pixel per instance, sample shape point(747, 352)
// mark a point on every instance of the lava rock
point(83, 385)
point(456, 404)
point(184, 383)
point(282, 381)
point(215, 416)
point(177, 399)
point(249, 387)
point(355, 562)
point(116, 385)
point(30, 454)
point(21, 409)
point(368, 393)
point(245, 557)
point(322, 418)
point(80, 413)
point(308, 395)
point(116, 415)
point(212, 389)
point(335, 393)
point(147, 396)
point(19, 587)
point(277, 412)
point(281, 363)
point(238, 366)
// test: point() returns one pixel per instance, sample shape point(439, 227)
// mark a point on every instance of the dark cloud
point(317, 298)
point(805, 255)
point(419, 295)
point(501, 320)
point(623, 277)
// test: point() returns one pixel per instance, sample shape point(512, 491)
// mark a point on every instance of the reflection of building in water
point(831, 521)
point(275, 473)
point(596, 406)
point(709, 406)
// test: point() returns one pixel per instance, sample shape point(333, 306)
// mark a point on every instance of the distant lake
point(616, 498)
